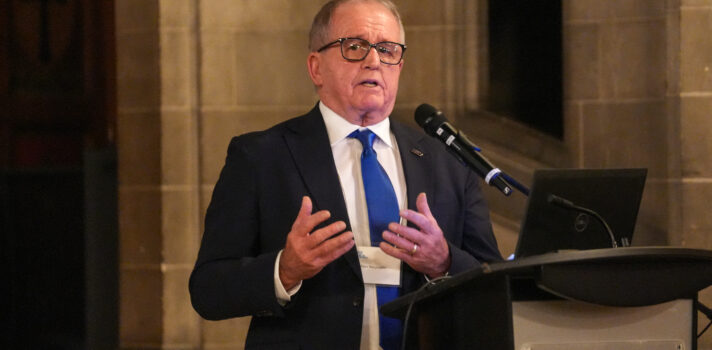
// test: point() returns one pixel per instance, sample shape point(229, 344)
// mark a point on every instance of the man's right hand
point(307, 252)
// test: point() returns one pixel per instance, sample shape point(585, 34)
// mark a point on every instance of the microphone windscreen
point(428, 117)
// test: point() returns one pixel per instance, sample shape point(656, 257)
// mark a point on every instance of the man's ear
point(314, 68)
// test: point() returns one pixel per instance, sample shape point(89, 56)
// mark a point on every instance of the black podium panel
point(447, 321)
point(474, 309)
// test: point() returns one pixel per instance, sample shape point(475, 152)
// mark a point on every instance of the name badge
point(378, 267)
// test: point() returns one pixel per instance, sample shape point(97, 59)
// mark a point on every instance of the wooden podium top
point(631, 276)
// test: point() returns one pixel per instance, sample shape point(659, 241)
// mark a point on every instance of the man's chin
point(374, 105)
point(374, 116)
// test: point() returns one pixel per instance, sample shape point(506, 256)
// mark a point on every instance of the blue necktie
point(382, 210)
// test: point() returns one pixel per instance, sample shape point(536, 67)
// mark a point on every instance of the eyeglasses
point(356, 49)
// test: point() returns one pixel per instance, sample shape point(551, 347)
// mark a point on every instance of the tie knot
point(366, 137)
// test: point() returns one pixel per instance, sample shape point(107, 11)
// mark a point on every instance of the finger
point(333, 248)
point(422, 204)
point(304, 213)
point(410, 233)
point(306, 208)
point(306, 221)
point(396, 252)
point(315, 219)
point(418, 219)
point(401, 242)
point(322, 234)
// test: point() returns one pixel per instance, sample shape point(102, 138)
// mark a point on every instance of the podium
point(623, 298)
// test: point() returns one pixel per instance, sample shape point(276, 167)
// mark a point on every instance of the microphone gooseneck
point(435, 124)
point(567, 204)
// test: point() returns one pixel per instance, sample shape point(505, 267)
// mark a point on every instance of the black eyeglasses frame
point(374, 46)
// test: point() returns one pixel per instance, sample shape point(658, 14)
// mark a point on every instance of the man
point(291, 215)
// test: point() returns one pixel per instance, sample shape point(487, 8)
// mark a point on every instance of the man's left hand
point(425, 248)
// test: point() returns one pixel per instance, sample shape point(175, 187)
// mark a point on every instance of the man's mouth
point(369, 83)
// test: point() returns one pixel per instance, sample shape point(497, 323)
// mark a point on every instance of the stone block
point(696, 144)
point(179, 148)
point(573, 130)
point(674, 153)
point(206, 193)
point(259, 15)
point(218, 128)
point(507, 234)
point(139, 156)
point(424, 65)
point(218, 84)
point(405, 112)
point(138, 71)
point(230, 333)
point(653, 222)
point(270, 68)
point(696, 49)
point(136, 15)
point(696, 218)
point(140, 220)
point(141, 307)
point(632, 60)
point(180, 228)
point(592, 10)
point(672, 32)
point(181, 324)
point(695, 3)
point(581, 62)
point(176, 69)
point(626, 135)
point(422, 13)
point(177, 13)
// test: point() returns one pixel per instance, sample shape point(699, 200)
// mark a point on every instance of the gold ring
point(415, 249)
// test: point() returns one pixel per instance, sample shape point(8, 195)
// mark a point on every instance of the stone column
point(695, 128)
point(615, 106)
point(158, 172)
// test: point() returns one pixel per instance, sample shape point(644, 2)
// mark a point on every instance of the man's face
point(362, 92)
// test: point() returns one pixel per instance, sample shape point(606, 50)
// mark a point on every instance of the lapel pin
point(416, 151)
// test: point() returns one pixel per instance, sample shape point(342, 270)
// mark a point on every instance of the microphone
point(567, 204)
point(434, 123)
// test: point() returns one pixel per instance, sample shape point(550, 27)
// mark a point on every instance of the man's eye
point(354, 47)
point(382, 49)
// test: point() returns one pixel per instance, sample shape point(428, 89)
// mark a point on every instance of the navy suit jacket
point(255, 202)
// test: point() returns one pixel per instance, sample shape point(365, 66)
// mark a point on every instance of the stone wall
point(194, 73)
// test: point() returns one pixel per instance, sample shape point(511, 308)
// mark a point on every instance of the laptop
point(614, 194)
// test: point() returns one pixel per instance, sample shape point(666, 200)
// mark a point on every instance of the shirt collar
point(339, 128)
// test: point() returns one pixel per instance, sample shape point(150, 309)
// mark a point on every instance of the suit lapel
point(415, 159)
point(310, 148)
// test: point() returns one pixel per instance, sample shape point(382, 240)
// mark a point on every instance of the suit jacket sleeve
point(233, 276)
point(478, 243)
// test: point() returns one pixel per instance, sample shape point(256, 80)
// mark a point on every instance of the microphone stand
point(521, 188)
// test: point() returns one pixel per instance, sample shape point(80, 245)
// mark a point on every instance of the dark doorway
point(56, 116)
point(525, 65)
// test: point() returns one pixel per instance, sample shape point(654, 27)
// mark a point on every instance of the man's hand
point(432, 255)
point(307, 252)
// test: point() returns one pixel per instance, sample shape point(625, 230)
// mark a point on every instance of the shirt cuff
point(428, 279)
point(283, 296)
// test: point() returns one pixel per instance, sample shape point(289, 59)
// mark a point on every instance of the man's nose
point(372, 58)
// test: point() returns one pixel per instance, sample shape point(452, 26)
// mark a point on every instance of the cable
point(432, 282)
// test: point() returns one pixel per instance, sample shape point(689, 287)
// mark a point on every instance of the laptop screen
point(614, 194)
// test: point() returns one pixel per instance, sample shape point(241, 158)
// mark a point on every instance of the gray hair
point(319, 33)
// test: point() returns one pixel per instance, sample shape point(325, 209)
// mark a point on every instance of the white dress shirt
point(347, 157)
